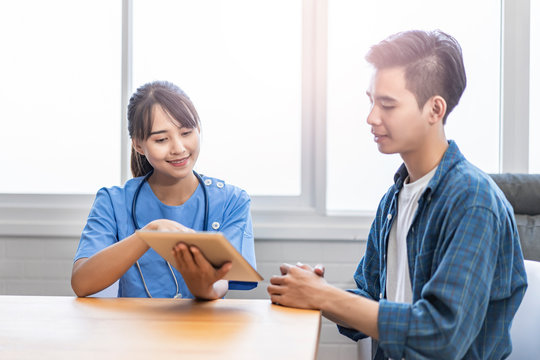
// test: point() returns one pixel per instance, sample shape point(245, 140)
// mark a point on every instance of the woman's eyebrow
point(158, 132)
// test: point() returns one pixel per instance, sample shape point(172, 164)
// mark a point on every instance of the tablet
point(215, 247)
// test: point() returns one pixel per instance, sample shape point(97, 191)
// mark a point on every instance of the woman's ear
point(438, 108)
point(137, 146)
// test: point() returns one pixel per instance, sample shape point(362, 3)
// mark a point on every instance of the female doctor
point(166, 194)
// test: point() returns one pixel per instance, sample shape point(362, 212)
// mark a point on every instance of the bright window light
point(240, 63)
point(534, 92)
point(61, 78)
point(358, 175)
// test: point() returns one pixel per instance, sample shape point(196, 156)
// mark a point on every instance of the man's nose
point(373, 117)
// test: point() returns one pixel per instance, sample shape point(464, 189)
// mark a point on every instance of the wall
point(42, 266)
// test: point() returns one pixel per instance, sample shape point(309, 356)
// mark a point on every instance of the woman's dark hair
point(433, 64)
point(140, 111)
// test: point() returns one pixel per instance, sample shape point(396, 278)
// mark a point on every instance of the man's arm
point(303, 288)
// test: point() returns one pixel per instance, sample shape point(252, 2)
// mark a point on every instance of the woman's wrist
point(215, 291)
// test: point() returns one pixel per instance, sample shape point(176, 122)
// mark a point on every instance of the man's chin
point(387, 150)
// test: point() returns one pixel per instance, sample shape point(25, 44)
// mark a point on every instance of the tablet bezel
point(215, 247)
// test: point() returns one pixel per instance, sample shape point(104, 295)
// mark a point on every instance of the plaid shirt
point(465, 264)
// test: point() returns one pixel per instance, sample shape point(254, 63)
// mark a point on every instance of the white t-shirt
point(398, 282)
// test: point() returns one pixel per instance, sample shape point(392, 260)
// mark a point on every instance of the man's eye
point(387, 107)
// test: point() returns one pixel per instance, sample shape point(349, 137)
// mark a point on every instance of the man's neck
point(425, 158)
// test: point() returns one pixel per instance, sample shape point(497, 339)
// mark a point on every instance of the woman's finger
point(223, 270)
point(185, 255)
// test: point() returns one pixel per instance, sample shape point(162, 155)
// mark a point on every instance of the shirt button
point(380, 295)
point(219, 185)
point(208, 182)
point(389, 216)
point(215, 225)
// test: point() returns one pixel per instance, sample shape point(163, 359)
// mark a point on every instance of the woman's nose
point(178, 147)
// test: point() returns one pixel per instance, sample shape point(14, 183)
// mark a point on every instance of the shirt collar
point(451, 157)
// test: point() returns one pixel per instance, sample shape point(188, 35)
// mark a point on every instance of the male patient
point(443, 272)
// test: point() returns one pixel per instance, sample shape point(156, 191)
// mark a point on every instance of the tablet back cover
point(215, 247)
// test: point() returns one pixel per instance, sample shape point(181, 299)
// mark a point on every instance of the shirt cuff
point(242, 285)
point(351, 333)
point(393, 323)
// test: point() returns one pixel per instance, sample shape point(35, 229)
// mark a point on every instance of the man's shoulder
point(469, 186)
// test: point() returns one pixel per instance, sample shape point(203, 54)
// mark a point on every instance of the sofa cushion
point(529, 235)
point(522, 191)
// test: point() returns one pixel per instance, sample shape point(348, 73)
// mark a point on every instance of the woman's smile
point(179, 162)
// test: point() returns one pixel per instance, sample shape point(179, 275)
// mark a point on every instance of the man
point(443, 272)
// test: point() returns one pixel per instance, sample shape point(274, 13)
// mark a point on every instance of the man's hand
point(203, 280)
point(298, 286)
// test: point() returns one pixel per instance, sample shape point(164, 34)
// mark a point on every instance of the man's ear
point(137, 146)
point(437, 108)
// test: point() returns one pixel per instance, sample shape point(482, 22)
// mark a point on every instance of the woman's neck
point(173, 192)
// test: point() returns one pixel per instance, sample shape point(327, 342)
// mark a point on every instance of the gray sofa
point(523, 192)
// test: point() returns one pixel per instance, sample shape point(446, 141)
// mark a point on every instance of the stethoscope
point(136, 224)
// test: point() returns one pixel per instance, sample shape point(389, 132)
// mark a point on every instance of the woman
point(166, 194)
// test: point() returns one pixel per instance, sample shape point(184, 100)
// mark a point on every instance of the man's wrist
point(324, 297)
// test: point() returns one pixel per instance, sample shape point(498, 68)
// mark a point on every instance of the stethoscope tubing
point(146, 177)
point(137, 227)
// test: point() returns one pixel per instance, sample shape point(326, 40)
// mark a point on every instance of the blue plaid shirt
point(465, 264)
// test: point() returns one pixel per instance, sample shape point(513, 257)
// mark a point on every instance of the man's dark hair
point(433, 64)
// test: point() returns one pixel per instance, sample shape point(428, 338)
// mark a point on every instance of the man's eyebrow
point(385, 98)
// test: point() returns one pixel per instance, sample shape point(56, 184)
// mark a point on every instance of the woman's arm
point(99, 271)
point(102, 269)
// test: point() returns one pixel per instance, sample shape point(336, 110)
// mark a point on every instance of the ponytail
point(139, 164)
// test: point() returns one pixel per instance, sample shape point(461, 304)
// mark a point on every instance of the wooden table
point(42, 327)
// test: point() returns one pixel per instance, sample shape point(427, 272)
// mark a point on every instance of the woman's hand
point(167, 225)
point(203, 280)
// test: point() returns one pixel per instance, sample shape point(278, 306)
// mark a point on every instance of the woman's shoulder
point(221, 187)
point(129, 187)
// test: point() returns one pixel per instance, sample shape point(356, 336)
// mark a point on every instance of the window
point(280, 88)
point(534, 95)
point(60, 95)
point(358, 175)
point(242, 72)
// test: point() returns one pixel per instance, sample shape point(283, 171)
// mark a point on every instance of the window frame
point(302, 217)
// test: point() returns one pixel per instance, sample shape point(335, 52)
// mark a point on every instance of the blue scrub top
point(110, 221)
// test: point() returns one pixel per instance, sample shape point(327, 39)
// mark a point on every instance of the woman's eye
point(160, 140)
point(387, 107)
point(186, 133)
